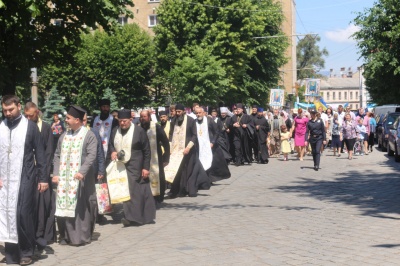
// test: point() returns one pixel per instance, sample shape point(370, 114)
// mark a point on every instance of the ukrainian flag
point(320, 103)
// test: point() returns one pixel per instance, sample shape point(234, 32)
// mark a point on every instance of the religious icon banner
point(276, 97)
point(117, 179)
point(313, 87)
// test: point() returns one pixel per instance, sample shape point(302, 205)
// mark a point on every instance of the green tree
point(310, 57)
point(201, 73)
point(108, 94)
point(379, 42)
point(121, 61)
point(227, 29)
point(54, 104)
point(35, 32)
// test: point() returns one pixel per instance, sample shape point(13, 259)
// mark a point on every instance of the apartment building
point(342, 87)
point(145, 14)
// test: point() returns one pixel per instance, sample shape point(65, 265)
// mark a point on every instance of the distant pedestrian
point(372, 129)
point(285, 145)
point(363, 136)
point(300, 128)
point(316, 136)
point(336, 143)
point(349, 134)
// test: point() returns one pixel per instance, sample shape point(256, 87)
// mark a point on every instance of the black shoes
point(316, 168)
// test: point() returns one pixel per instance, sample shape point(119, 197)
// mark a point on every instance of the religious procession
point(57, 181)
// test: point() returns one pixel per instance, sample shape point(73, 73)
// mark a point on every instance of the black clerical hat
point(255, 106)
point(239, 105)
point(162, 113)
point(179, 106)
point(104, 102)
point(76, 111)
point(124, 114)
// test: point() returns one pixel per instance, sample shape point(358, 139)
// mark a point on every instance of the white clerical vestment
point(205, 152)
point(104, 128)
point(12, 147)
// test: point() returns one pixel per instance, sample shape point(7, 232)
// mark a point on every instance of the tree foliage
point(379, 44)
point(121, 61)
point(224, 31)
point(310, 57)
point(34, 32)
point(54, 104)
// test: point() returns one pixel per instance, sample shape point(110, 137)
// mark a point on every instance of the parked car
point(394, 140)
point(383, 131)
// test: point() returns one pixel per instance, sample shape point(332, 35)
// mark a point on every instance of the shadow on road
point(375, 193)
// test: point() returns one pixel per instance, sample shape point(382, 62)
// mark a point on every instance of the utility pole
point(34, 89)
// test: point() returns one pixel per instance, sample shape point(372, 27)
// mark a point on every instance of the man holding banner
point(130, 145)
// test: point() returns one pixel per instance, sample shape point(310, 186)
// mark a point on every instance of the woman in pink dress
point(300, 127)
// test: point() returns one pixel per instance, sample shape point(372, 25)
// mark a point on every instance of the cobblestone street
point(283, 213)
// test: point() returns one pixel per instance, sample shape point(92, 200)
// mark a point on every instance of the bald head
point(31, 111)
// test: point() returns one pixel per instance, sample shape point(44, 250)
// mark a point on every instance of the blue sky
point(332, 21)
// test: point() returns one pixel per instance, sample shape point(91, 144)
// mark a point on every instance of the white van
point(383, 109)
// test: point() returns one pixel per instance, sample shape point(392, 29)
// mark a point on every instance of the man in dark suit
point(45, 208)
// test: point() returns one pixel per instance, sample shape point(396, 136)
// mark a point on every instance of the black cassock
point(141, 207)
point(262, 135)
point(223, 138)
point(242, 137)
point(254, 141)
point(219, 168)
point(190, 176)
point(46, 208)
point(33, 170)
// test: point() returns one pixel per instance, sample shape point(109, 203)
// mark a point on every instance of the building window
point(357, 96)
point(356, 106)
point(333, 95)
point(153, 21)
point(340, 95)
point(351, 95)
point(345, 95)
point(123, 20)
point(327, 95)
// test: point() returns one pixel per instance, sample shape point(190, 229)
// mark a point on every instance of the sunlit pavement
point(283, 213)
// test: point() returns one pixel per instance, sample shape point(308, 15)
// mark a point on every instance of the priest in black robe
point(23, 171)
point(75, 226)
point(242, 128)
point(45, 227)
point(162, 143)
point(254, 141)
point(224, 139)
point(262, 130)
point(185, 182)
point(141, 208)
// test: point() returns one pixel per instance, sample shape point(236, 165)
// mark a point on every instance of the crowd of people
point(48, 172)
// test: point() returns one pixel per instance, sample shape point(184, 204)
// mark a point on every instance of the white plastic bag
point(117, 179)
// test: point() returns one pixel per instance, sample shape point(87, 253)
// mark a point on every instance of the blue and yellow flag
point(320, 103)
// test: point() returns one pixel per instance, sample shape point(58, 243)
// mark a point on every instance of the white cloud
point(342, 35)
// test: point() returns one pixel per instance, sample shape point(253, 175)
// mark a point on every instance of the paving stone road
point(283, 213)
